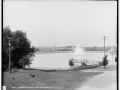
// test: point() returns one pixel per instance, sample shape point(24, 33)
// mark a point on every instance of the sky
point(63, 23)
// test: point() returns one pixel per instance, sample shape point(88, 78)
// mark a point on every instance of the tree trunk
point(104, 67)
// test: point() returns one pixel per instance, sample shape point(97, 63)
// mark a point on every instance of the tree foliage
point(71, 63)
point(105, 61)
point(5, 51)
point(20, 49)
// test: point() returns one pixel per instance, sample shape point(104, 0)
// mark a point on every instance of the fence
point(54, 69)
point(84, 60)
point(72, 68)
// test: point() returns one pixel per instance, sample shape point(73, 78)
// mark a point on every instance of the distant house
point(70, 48)
point(112, 51)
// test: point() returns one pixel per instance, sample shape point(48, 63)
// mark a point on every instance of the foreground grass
point(60, 80)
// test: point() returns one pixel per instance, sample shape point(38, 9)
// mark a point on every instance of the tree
point(71, 63)
point(94, 48)
point(5, 47)
point(25, 61)
point(20, 48)
point(105, 61)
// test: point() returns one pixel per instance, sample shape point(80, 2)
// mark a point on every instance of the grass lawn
point(59, 80)
point(108, 68)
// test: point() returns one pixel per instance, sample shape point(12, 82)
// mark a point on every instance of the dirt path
point(105, 81)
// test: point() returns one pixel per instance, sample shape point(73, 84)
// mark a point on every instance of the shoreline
point(47, 52)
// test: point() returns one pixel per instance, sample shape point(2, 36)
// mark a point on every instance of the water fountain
point(79, 50)
point(78, 54)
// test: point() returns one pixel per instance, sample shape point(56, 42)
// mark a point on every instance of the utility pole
point(104, 43)
point(9, 55)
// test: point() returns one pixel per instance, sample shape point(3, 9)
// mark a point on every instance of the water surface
point(56, 60)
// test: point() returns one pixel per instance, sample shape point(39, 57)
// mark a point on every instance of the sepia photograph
point(59, 45)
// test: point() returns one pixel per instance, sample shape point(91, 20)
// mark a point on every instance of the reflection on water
point(56, 60)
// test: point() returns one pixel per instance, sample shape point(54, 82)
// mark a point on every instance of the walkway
point(105, 81)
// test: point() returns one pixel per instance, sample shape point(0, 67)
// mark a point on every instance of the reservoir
point(60, 60)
